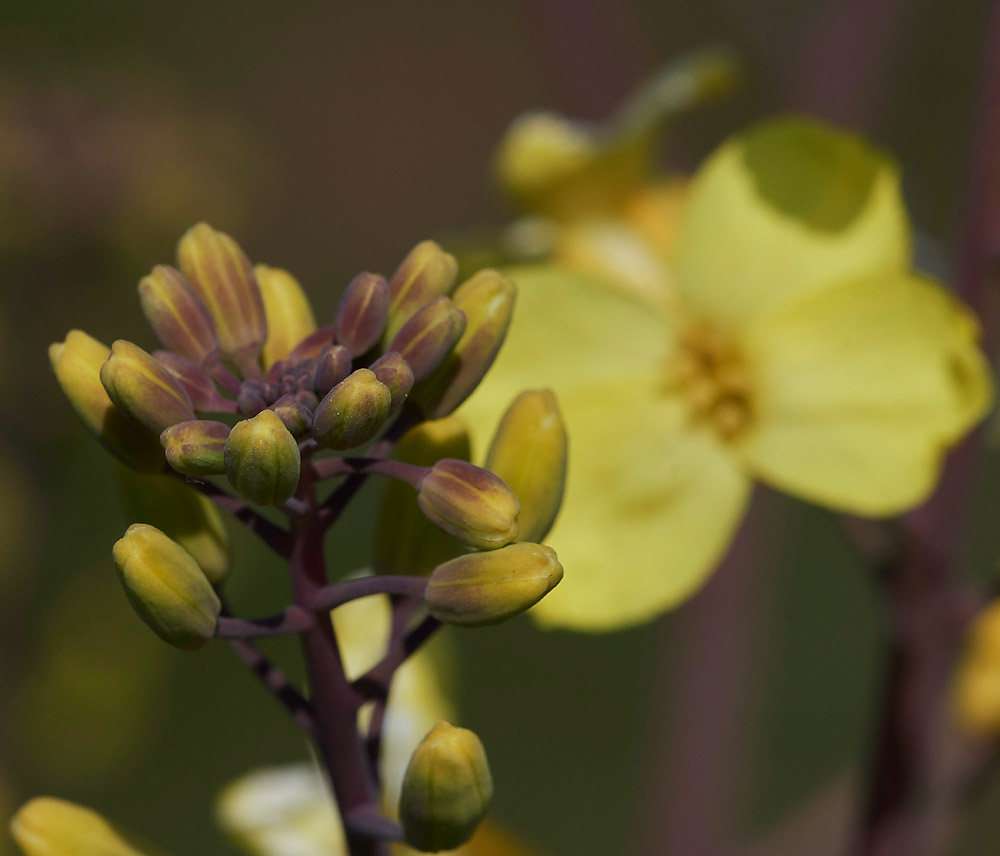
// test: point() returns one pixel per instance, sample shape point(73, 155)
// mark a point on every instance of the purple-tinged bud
point(425, 340)
point(297, 418)
point(200, 388)
point(262, 459)
point(392, 370)
point(277, 371)
point(332, 365)
point(289, 316)
point(487, 300)
point(77, 363)
point(426, 272)
point(470, 503)
point(363, 311)
point(307, 399)
point(195, 448)
point(309, 348)
point(353, 412)
point(220, 273)
point(251, 399)
point(178, 315)
point(145, 390)
point(486, 588)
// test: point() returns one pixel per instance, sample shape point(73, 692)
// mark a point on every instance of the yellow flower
point(976, 689)
point(792, 343)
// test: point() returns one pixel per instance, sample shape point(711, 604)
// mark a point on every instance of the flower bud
point(295, 416)
point(487, 301)
point(426, 272)
point(425, 340)
point(221, 275)
point(486, 588)
point(392, 370)
point(166, 587)
point(46, 826)
point(363, 311)
point(529, 452)
point(250, 401)
point(332, 365)
point(469, 503)
point(352, 412)
point(195, 448)
point(77, 363)
point(177, 315)
point(181, 513)
point(145, 390)
point(446, 790)
point(200, 388)
point(309, 348)
point(262, 459)
point(289, 316)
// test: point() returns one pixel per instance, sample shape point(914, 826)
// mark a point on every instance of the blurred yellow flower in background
point(786, 339)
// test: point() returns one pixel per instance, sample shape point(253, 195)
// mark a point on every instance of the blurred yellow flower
point(976, 690)
point(786, 339)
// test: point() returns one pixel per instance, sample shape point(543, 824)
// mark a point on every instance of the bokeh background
point(329, 137)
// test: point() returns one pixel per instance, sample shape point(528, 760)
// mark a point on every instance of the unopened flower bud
point(333, 364)
point(145, 390)
point(195, 448)
point(46, 826)
point(200, 388)
point(262, 459)
point(295, 416)
point(250, 399)
point(427, 337)
point(289, 316)
point(166, 587)
point(446, 790)
point(309, 348)
point(486, 588)
point(426, 272)
point(77, 363)
point(469, 503)
point(487, 301)
point(529, 452)
point(178, 315)
point(352, 412)
point(392, 370)
point(363, 311)
point(220, 273)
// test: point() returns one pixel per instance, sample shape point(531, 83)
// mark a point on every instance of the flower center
point(712, 375)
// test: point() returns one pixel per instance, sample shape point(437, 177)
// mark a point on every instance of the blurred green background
point(329, 138)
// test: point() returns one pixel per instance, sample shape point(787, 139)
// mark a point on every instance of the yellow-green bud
point(487, 301)
point(486, 588)
point(446, 790)
point(469, 503)
point(143, 388)
point(195, 448)
point(166, 587)
point(177, 315)
point(425, 340)
point(77, 363)
point(426, 272)
point(392, 370)
point(262, 459)
point(352, 412)
point(220, 273)
point(362, 314)
point(46, 826)
point(289, 316)
point(529, 452)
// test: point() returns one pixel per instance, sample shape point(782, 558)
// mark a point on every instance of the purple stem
point(294, 619)
point(331, 596)
point(331, 467)
point(220, 374)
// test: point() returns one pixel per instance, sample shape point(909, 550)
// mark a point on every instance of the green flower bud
point(262, 459)
point(200, 388)
point(426, 272)
point(469, 503)
point(446, 790)
point(177, 315)
point(294, 414)
point(363, 311)
point(46, 826)
point(77, 363)
point(529, 452)
point(289, 316)
point(220, 273)
point(166, 587)
point(486, 588)
point(487, 301)
point(352, 412)
point(392, 370)
point(425, 340)
point(195, 448)
point(145, 390)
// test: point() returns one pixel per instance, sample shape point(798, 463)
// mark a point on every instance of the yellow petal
point(783, 210)
point(861, 388)
point(286, 307)
point(47, 826)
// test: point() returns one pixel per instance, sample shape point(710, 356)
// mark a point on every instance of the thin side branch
point(332, 467)
point(277, 684)
point(337, 594)
point(292, 620)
